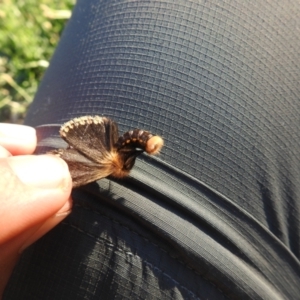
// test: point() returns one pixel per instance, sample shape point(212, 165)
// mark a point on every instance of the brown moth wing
point(92, 136)
point(96, 151)
point(82, 169)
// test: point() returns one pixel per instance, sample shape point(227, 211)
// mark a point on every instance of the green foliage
point(29, 33)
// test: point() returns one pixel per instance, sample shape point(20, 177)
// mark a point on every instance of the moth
point(95, 149)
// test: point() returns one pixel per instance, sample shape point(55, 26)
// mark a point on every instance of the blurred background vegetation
point(29, 33)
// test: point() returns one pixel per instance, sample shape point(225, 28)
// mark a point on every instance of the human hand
point(34, 194)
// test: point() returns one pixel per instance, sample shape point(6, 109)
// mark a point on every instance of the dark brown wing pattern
point(95, 151)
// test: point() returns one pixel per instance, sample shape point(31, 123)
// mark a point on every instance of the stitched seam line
point(116, 248)
point(144, 238)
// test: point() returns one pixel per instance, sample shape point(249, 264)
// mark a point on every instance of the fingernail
point(4, 152)
point(66, 209)
point(41, 171)
point(14, 131)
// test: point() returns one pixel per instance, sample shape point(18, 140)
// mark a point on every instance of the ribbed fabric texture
point(219, 80)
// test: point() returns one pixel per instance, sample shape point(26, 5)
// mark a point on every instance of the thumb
point(33, 190)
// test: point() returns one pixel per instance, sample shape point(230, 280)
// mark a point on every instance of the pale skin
point(34, 194)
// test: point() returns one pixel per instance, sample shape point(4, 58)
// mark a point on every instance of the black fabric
point(216, 215)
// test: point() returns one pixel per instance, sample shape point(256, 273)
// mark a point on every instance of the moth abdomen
point(136, 136)
point(139, 138)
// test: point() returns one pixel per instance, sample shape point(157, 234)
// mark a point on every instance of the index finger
point(17, 139)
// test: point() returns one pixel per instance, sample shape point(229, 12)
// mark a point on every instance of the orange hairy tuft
point(154, 145)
